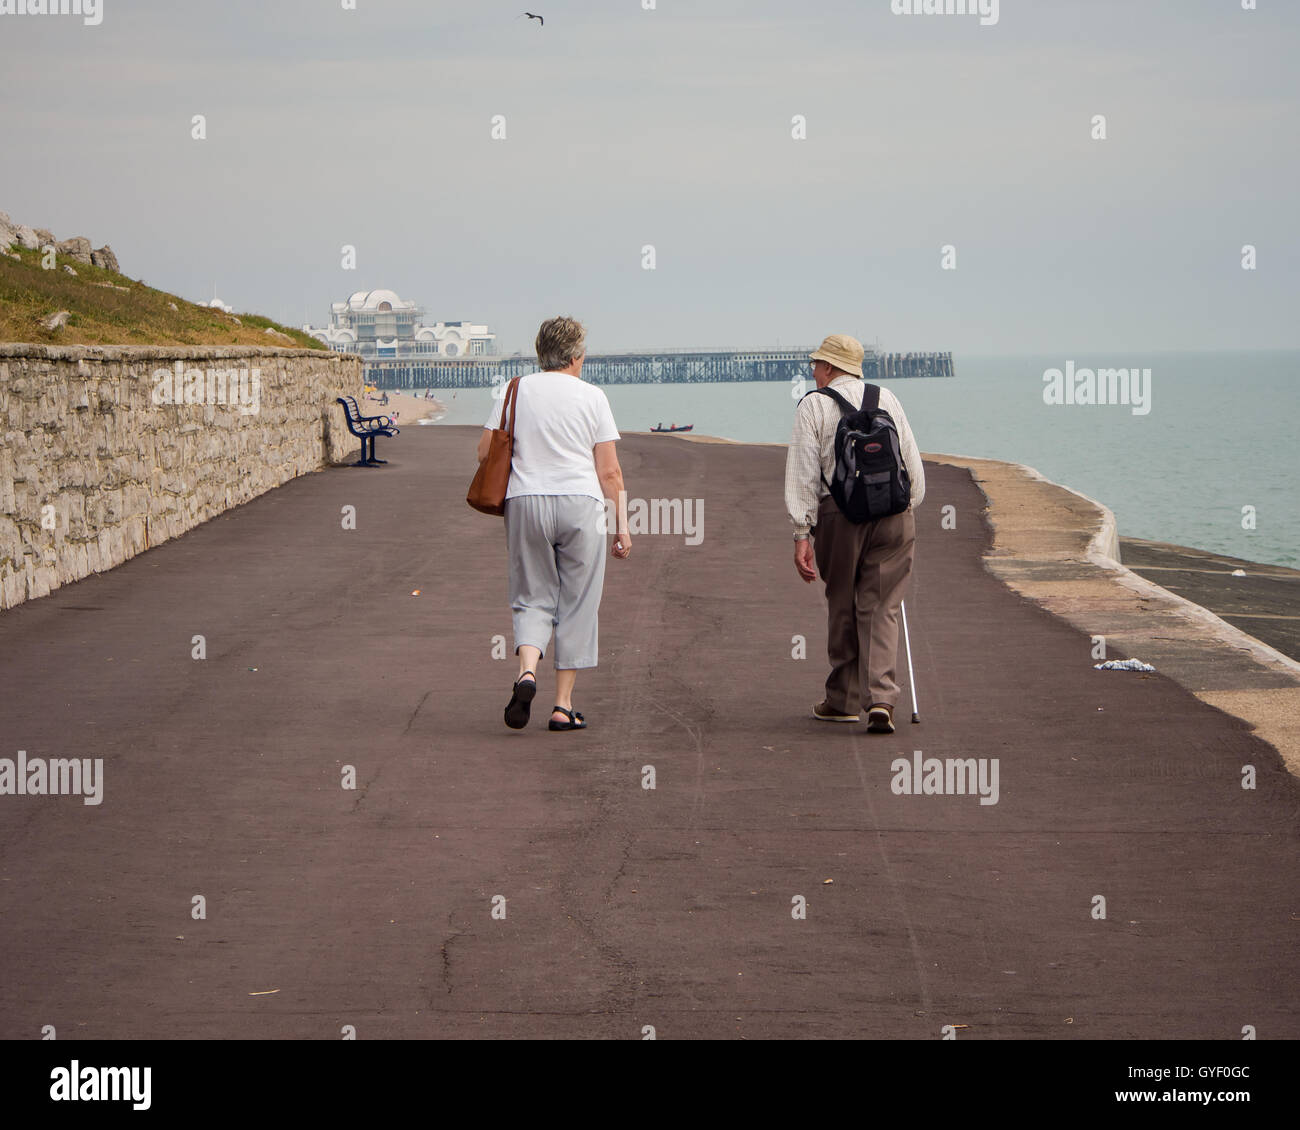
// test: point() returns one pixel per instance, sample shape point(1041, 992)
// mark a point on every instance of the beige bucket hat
point(842, 351)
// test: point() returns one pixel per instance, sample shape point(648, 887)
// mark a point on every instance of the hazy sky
point(673, 127)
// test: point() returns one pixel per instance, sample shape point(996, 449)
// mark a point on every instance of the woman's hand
point(622, 545)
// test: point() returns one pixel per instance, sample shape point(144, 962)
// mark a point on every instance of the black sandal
point(575, 722)
point(520, 701)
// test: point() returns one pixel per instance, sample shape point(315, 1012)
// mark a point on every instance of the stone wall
point(100, 457)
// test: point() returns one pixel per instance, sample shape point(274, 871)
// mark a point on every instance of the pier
point(665, 366)
point(892, 366)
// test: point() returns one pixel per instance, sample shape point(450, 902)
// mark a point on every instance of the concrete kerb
point(1099, 595)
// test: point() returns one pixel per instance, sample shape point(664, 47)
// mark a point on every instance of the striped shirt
point(812, 450)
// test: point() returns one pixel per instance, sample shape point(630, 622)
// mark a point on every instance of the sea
point(1212, 462)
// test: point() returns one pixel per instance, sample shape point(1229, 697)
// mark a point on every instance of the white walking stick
point(911, 678)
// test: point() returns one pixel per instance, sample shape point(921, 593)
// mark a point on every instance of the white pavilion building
point(378, 325)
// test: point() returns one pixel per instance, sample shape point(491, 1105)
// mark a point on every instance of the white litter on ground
point(1239, 572)
point(1123, 665)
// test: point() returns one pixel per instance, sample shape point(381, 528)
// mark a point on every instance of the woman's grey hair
point(560, 342)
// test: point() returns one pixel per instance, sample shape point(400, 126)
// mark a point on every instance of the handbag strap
point(512, 394)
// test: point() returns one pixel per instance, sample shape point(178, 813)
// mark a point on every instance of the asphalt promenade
point(624, 906)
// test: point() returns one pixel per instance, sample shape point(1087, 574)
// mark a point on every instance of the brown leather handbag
point(487, 493)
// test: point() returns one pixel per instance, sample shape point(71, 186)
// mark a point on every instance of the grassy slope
point(123, 312)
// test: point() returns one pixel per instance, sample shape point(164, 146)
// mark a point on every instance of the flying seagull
point(539, 19)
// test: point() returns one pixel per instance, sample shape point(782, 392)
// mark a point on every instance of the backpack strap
point(845, 406)
point(870, 398)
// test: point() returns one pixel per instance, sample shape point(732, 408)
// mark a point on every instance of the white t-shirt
point(559, 418)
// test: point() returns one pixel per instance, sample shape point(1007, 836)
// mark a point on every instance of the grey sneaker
point(822, 711)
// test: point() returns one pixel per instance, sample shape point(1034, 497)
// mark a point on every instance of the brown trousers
point(865, 568)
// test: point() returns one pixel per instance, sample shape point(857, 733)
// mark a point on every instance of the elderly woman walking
point(563, 467)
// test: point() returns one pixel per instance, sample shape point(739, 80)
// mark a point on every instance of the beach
point(403, 407)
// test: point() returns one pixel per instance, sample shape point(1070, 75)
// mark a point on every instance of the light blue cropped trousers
point(556, 544)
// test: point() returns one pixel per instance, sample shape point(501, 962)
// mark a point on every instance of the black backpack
point(870, 479)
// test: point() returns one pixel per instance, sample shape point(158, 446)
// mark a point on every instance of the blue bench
point(366, 428)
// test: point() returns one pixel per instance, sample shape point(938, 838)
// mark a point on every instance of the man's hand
point(803, 560)
point(622, 545)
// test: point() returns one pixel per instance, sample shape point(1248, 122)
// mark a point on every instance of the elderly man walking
point(865, 566)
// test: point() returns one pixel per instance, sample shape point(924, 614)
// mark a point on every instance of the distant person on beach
point(865, 566)
point(563, 467)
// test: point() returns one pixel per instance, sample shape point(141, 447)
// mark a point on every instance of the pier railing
point(664, 366)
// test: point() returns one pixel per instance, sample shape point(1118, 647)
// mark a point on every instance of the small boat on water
point(673, 428)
